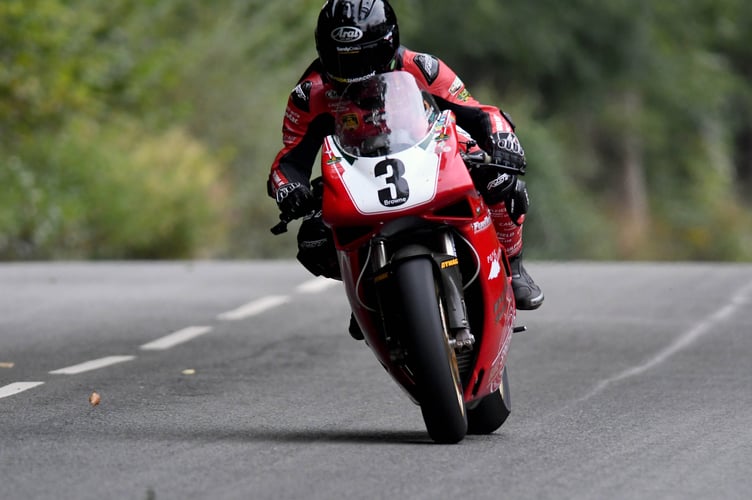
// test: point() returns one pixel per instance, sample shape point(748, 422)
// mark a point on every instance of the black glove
point(295, 200)
point(506, 150)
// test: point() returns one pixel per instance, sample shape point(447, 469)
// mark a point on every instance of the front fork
point(451, 279)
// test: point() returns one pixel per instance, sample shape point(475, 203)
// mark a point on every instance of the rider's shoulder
point(309, 87)
point(428, 64)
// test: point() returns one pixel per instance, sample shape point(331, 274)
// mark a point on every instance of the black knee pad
point(496, 186)
point(493, 184)
point(316, 249)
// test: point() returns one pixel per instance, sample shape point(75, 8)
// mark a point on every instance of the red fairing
point(453, 185)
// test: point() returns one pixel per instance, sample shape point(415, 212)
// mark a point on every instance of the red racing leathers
point(309, 118)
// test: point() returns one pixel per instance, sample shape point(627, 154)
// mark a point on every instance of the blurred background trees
point(146, 129)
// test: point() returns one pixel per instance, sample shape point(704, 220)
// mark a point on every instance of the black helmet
point(356, 39)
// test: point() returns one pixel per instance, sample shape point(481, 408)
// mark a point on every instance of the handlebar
point(281, 227)
point(483, 158)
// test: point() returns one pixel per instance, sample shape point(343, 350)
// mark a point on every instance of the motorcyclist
point(356, 39)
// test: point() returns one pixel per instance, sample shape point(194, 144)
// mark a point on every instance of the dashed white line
point(254, 308)
point(186, 334)
point(316, 285)
point(176, 338)
point(15, 388)
point(92, 365)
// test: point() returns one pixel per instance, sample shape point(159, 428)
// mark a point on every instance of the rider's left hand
point(507, 150)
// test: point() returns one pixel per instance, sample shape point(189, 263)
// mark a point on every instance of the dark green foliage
point(646, 111)
point(146, 128)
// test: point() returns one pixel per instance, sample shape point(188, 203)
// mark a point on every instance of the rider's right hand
point(295, 200)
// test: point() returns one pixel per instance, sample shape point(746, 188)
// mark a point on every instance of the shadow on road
point(303, 436)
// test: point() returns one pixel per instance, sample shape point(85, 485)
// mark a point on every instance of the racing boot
point(527, 294)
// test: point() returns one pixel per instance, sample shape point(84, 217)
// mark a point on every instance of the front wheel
point(492, 410)
point(430, 355)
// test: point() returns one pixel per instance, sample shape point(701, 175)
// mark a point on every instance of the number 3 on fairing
point(397, 190)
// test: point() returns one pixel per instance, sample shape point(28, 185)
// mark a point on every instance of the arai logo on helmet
point(347, 34)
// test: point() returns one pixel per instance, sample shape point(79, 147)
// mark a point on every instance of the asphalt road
point(231, 381)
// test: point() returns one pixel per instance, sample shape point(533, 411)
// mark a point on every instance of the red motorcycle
point(426, 278)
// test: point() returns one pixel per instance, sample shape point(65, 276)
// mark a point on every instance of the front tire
point(429, 355)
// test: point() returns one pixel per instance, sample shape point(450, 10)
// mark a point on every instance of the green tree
point(91, 163)
point(635, 116)
point(636, 96)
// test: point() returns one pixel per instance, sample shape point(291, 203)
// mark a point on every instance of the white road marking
point(254, 308)
point(92, 365)
point(705, 326)
point(186, 334)
point(176, 338)
point(316, 285)
point(15, 388)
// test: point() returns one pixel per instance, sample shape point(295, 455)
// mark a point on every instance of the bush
point(110, 192)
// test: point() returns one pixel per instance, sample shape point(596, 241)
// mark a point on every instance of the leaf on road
point(94, 399)
point(7, 364)
point(189, 371)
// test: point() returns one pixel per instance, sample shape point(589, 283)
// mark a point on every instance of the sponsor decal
point(380, 277)
point(337, 107)
point(292, 116)
point(313, 243)
point(450, 263)
point(483, 224)
point(502, 305)
point(498, 181)
point(360, 78)
point(350, 121)
point(456, 86)
point(333, 160)
point(347, 34)
point(464, 96)
point(394, 202)
point(313, 215)
point(494, 376)
point(495, 260)
point(354, 49)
